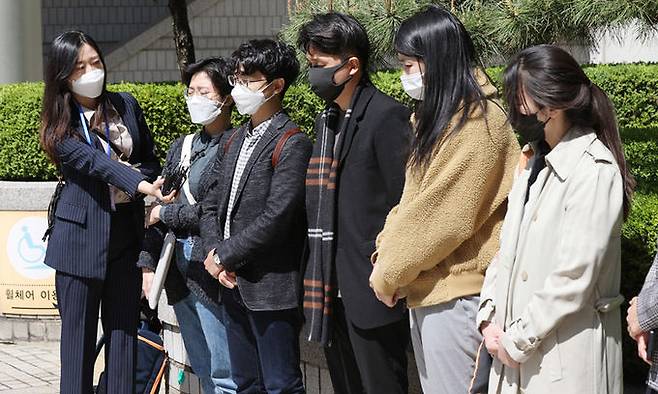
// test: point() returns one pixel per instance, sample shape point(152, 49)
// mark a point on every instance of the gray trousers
point(446, 342)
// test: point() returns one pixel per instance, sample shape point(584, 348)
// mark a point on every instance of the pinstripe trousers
point(117, 297)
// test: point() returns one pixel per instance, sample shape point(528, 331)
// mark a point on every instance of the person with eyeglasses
point(253, 224)
point(191, 291)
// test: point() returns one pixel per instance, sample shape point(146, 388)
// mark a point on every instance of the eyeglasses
point(236, 80)
point(188, 92)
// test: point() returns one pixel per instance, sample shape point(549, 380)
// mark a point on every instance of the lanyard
point(83, 120)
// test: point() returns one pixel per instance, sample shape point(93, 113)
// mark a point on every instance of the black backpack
point(152, 362)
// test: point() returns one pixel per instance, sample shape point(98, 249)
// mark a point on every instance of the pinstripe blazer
point(79, 242)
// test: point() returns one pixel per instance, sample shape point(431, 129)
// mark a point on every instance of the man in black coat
point(253, 225)
point(355, 177)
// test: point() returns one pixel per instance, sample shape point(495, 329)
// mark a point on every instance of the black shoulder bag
point(52, 206)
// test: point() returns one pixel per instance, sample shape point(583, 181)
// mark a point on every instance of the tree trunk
point(182, 34)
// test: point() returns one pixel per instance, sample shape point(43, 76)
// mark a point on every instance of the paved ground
point(29, 367)
point(33, 368)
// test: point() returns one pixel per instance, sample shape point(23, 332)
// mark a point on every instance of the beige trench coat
point(554, 285)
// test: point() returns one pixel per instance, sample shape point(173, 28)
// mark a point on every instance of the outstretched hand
point(157, 185)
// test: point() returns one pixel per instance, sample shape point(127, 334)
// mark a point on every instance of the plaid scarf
point(319, 279)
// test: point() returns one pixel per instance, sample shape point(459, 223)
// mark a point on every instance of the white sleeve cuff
point(517, 345)
point(485, 313)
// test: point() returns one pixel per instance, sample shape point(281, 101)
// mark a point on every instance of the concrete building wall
point(626, 46)
point(136, 35)
point(109, 22)
point(218, 27)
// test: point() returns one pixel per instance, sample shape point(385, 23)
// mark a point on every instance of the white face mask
point(413, 85)
point(89, 84)
point(203, 110)
point(247, 101)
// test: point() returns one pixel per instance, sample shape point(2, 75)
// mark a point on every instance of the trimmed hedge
point(641, 151)
point(165, 111)
point(638, 247)
point(21, 157)
point(632, 88)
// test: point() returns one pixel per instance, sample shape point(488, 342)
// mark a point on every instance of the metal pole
point(20, 41)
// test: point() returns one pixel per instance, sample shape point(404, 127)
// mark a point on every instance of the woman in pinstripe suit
point(102, 147)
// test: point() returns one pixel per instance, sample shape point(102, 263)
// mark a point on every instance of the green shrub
point(303, 106)
point(164, 108)
point(639, 236)
point(20, 108)
point(633, 89)
point(638, 247)
point(20, 154)
point(641, 151)
point(389, 83)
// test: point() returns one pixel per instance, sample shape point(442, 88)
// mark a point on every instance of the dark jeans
point(263, 347)
point(372, 361)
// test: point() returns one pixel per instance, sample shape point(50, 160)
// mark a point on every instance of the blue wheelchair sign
point(25, 249)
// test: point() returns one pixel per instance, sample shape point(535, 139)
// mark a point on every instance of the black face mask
point(322, 82)
point(530, 128)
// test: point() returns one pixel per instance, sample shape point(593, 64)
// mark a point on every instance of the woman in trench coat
point(549, 308)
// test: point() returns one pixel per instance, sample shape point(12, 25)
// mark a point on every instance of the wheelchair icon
point(30, 252)
point(26, 251)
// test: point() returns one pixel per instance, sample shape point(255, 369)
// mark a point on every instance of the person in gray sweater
point(190, 289)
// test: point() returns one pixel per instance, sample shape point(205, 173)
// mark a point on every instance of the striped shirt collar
point(261, 128)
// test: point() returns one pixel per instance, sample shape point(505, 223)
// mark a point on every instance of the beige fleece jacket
point(438, 241)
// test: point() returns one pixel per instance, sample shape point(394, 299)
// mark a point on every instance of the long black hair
point(58, 102)
point(439, 39)
point(553, 79)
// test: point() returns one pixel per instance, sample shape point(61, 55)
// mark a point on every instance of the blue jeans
point(264, 348)
point(204, 334)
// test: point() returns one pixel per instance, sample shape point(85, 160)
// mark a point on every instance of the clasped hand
point(492, 341)
point(217, 271)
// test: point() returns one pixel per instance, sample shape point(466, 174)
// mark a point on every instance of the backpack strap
point(280, 144)
point(186, 153)
point(230, 140)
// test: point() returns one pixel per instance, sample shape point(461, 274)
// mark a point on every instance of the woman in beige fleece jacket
point(436, 244)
